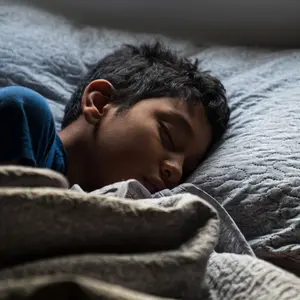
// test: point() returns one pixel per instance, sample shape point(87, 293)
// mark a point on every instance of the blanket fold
point(121, 241)
point(62, 244)
point(68, 287)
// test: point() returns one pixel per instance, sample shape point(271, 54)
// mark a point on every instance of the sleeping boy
point(142, 112)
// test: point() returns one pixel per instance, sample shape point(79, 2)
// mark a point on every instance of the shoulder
point(20, 98)
point(18, 95)
point(27, 126)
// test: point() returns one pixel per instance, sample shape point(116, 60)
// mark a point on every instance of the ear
point(95, 97)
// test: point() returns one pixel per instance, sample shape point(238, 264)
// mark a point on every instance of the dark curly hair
point(153, 71)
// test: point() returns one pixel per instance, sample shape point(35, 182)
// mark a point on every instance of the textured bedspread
point(255, 171)
point(67, 245)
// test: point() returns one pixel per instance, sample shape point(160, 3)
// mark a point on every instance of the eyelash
point(165, 131)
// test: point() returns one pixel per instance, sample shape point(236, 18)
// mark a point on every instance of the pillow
point(255, 171)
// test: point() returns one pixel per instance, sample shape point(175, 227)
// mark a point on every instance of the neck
point(75, 140)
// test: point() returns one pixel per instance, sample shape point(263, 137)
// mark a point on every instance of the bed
point(253, 172)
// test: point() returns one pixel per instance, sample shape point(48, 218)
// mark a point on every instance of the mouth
point(153, 186)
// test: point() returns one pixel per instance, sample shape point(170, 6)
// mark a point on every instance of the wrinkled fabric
point(231, 239)
point(66, 244)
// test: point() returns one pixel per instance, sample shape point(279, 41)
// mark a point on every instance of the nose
point(171, 170)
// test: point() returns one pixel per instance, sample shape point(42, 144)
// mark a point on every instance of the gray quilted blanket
point(255, 171)
point(62, 244)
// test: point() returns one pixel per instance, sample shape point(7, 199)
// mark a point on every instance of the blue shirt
point(27, 131)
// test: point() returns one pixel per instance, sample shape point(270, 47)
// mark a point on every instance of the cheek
point(130, 143)
point(131, 150)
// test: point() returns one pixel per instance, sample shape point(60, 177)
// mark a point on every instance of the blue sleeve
point(27, 128)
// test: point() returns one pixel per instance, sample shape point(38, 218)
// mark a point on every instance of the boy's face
point(157, 142)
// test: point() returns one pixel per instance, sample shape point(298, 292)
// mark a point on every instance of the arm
point(25, 122)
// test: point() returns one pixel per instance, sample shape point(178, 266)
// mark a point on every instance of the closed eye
point(166, 137)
